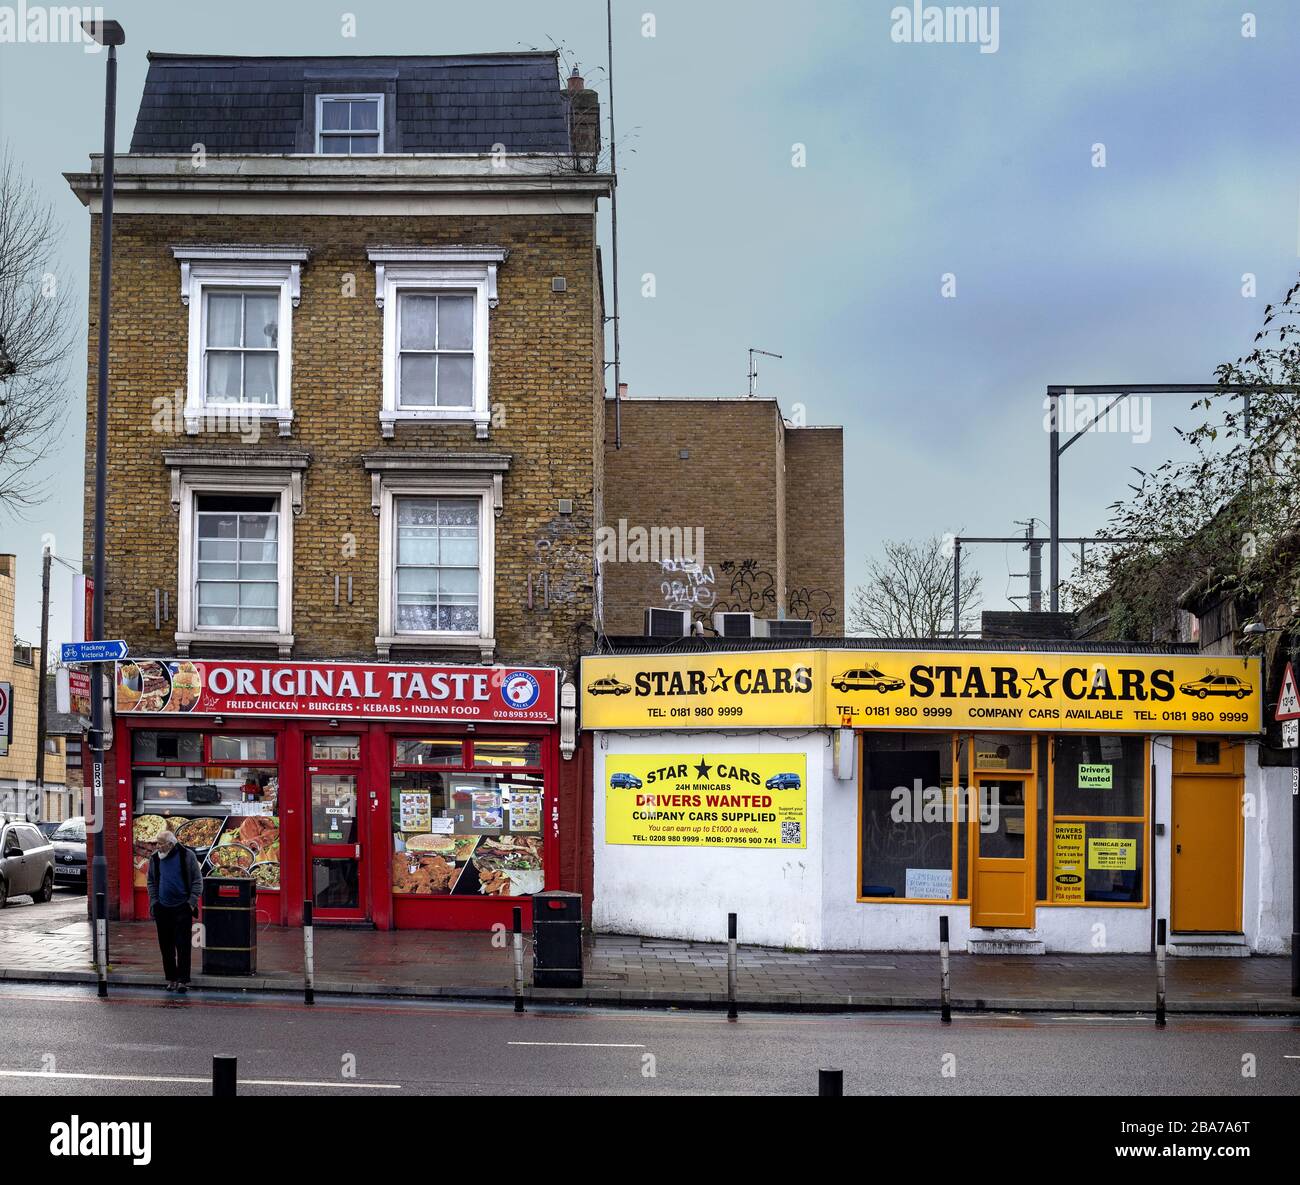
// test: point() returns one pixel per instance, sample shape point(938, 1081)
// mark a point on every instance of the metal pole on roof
point(613, 216)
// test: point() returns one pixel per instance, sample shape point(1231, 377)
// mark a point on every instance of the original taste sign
point(347, 690)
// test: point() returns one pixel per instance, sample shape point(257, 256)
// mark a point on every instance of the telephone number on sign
point(704, 713)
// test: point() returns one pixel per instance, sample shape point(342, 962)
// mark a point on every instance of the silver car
point(26, 863)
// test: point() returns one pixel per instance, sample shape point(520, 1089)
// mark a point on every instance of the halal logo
point(519, 689)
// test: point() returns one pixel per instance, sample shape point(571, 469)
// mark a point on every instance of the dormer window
point(349, 125)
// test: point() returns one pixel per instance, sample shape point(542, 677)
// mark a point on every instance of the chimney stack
point(622, 390)
point(584, 124)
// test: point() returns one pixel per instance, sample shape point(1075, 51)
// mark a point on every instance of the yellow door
point(1207, 836)
point(1002, 841)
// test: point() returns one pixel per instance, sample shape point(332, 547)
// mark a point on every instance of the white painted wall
point(688, 892)
point(1266, 900)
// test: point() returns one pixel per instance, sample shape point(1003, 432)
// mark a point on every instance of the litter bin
point(557, 939)
point(229, 925)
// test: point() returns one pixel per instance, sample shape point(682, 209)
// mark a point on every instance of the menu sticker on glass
point(416, 810)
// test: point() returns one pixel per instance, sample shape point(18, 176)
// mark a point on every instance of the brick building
point(357, 368)
point(20, 796)
point(767, 496)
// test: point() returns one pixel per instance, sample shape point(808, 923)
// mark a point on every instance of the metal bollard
point(101, 941)
point(731, 967)
point(308, 956)
point(945, 979)
point(830, 1084)
point(519, 957)
point(223, 1077)
point(1160, 973)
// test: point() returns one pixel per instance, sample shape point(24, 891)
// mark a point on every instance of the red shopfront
point(398, 796)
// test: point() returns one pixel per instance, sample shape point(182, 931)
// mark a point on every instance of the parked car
point(70, 852)
point(48, 827)
point(784, 782)
point(1217, 685)
point(26, 863)
point(866, 679)
point(624, 782)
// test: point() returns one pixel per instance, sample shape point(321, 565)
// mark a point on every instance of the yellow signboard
point(759, 689)
point(1067, 862)
point(1120, 854)
point(721, 800)
point(1010, 691)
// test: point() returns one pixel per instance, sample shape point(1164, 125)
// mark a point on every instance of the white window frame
point(437, 270)
point(203, 268)
point(322, 136)
point(484, 488)
point(188, 631)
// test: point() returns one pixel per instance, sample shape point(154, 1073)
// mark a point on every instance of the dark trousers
point(174, 927)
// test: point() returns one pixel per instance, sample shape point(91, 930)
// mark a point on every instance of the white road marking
point(177, 1078)
point(578, 1044)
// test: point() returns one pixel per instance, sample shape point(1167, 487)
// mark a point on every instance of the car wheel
point(1202, 693)
point(4, 894)
point(880, 687)
point(1242, 693)
point(47, 888)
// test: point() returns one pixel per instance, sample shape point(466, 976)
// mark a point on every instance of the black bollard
point(830, 1084)
point(1160, 973)
point(732, 1014)
point(945, 980)
point(223, 1077)
point(308, 956)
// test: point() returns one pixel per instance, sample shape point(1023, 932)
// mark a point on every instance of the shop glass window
point(435, 363)
point(436, 585)
point(526, 754)
point(334, 883)
point(467, 834)
point(162, 747)
point(1100, 775)
point(349, 125)
point(237, 563)
point(1004, 750)
point(228, 814)
point(1114, 857)
point(336, 748)
point(909, 804)
point(241, 345)
point(431, 752)
point(242, 748)
point(1207, 753)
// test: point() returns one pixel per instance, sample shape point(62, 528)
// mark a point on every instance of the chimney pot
point(576, 82)
point(622, 390)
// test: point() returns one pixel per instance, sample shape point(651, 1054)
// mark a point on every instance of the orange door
point(1207, 836)
point(1002, 844)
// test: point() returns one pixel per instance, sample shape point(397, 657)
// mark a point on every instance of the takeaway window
point(909, 805)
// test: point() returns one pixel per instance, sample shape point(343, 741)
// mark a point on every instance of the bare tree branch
point(908, 594)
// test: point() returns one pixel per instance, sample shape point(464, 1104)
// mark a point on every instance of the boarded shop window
point(907, 816)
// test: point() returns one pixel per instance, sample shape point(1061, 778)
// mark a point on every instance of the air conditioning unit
point(737, 625)
point(789, 629)
point(667, 623)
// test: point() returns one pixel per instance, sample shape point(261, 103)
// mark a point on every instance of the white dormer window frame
point(205, 270)
point(324, 135)
point(436, 270)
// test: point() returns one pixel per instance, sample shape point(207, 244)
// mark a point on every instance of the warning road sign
point(1288, 703)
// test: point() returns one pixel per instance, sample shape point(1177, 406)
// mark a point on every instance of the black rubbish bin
point(229, 925)
point(557, 940)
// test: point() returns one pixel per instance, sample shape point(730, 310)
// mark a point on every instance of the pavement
point(51, 943)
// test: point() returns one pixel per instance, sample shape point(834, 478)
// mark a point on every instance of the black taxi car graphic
point(1217, 685)
point(866, 679)
point(608, 686)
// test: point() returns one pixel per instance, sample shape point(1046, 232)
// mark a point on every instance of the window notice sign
point(1067, 862)
point(1096, 777)
point(1117, 854)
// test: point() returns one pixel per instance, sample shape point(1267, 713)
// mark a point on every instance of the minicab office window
point(915, 817)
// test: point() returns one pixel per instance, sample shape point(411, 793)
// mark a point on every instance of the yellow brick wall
point(20, 764)
point(546, 378)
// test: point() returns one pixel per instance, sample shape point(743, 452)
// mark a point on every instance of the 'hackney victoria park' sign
point(984, 689)
point(211, 687)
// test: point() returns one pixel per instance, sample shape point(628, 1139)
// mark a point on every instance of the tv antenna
point(753, 371)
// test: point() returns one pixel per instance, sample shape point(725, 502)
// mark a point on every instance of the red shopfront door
point(336, 847)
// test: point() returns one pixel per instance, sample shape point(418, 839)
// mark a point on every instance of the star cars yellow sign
point(981, 690)
point(758, 689)
point(1042, 692)
point(720, 800)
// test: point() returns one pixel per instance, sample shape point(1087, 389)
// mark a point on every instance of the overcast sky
point(922, 161)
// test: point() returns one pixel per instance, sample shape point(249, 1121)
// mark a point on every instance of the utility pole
point(42, 666)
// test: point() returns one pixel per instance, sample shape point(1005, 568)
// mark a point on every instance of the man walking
point(174, 882)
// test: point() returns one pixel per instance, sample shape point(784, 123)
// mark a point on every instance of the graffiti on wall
point(742, 587)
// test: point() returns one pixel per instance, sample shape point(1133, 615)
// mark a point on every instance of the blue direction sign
point(94, 651)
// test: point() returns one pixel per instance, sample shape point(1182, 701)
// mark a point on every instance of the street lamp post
point(109, 34)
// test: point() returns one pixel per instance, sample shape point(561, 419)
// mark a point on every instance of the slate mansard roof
point(267, 105)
